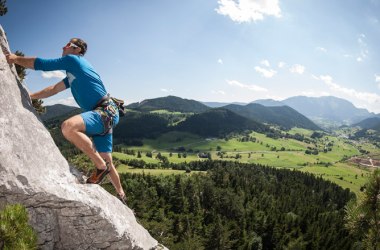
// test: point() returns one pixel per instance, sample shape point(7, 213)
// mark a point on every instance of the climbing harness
point(108, 108)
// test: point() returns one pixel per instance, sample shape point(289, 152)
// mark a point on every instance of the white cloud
point(166, 90)
point(281, 65)
point(321, 49)
point(297, 69)
point(267, 73)
point(218, 92)
point(246, 86)
point(377, 79)
point(248, 10)
point(363, 54)
point(53, 74)
point(369, 98)
point(67, 101)
point(363, 51)
point(265, 63)
point(220, 61)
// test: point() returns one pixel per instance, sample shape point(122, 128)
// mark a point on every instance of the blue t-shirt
point(86, 86)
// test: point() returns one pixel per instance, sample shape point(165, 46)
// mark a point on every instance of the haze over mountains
point(325, 108)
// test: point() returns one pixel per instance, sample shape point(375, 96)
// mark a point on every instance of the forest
point(240, 206)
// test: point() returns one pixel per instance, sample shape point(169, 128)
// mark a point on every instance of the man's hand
point(26, 62)
point(11, 58)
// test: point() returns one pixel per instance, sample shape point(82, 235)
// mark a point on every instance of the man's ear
point(80, 50)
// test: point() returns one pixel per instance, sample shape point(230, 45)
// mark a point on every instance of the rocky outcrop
point(65, 214)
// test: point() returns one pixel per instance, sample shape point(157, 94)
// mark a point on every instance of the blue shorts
point(95, 127)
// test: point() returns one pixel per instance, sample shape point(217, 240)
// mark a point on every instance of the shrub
point(15, 231)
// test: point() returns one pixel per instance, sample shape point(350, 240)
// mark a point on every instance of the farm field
point(345, 175)
point(281, 153)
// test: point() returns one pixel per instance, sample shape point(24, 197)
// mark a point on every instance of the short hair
point(81, 44)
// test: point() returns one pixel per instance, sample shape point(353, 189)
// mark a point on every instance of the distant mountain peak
point(328, 108)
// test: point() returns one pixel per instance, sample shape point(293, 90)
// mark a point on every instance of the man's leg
point(115, 179)
point(73, 130)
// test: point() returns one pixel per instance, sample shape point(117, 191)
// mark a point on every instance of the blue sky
point(209, 50)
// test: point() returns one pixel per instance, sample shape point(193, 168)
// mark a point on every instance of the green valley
point(198, 178)
point(330, 163)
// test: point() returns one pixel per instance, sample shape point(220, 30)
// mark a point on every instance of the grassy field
point(328, 165)
point(345, 175)
point(127, 169)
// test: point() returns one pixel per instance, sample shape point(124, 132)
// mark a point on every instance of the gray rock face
point(65, 214)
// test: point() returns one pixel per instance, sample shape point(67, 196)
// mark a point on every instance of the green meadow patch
point(345, 175)
point(329, 162)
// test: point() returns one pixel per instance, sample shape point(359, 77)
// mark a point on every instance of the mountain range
point(293, 112)
point(325, 108)
point(283, 116)
point(57, 110)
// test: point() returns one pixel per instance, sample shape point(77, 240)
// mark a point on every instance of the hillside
point(139, 125)
point(56, 120)
point(218, 122)
point(327, 107)
point(370, 123)
point(56, 111)
point(283, 116)
point(170, 103)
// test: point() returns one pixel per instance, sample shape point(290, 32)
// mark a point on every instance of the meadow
point(330, 163)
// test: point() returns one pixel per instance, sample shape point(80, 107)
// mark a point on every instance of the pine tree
point(21, 71)
point(218, 236)
point(37, 104)
point(363, 216)
point(3, 7)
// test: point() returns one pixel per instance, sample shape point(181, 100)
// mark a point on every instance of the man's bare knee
point(71, 126)
point(66, 129)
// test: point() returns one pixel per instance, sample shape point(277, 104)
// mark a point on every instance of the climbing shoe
point(122, 198)
point(98, 175)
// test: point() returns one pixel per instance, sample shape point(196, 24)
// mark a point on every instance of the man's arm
point(49, 91)
point(26, 62)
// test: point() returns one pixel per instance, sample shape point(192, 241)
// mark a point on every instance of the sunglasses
point(71, 45)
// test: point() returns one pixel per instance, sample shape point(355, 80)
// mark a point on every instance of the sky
point(209, 50)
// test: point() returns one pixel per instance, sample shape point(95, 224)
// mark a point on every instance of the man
point(101, 113)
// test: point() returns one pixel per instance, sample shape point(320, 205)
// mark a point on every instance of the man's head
point(76, 46)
